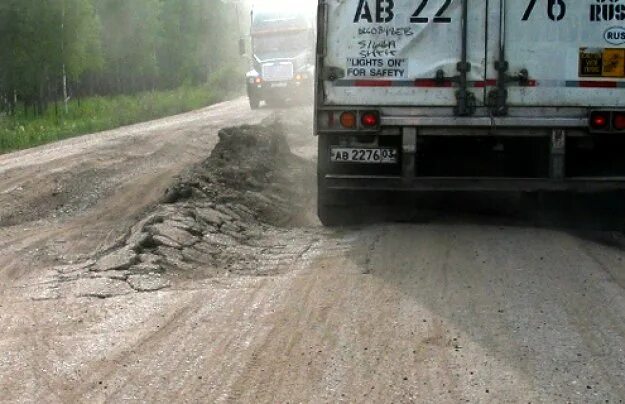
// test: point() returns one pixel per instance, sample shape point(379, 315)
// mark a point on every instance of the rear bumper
point(375, 183)
point(414, 172)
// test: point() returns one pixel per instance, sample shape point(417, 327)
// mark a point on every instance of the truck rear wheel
point(332, 211)
point(336, 208)
point(356, 209)
point(330, 216)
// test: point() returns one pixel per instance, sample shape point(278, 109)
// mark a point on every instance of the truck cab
point(282, 41)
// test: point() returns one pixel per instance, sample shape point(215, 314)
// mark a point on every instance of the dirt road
point(78, 196)
point(453, 310)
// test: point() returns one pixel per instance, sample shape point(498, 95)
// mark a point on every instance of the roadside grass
point(102, 113)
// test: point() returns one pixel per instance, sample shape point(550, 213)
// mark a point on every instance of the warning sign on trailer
point(599, 62)
point(613, 63)
point(377, 58)
point(383, 68)
point(590, 62)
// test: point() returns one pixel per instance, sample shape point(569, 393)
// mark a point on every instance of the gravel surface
point(238, 295)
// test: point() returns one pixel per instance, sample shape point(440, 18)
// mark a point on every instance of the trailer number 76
point(556, 10)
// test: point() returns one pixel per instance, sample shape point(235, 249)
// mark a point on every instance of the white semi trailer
point(469, 95)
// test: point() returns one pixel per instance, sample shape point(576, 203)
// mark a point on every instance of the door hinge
point(466, 104)
point(498, 97)
point(466, 101)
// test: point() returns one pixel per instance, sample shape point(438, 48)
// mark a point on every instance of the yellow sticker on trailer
point(613, 63)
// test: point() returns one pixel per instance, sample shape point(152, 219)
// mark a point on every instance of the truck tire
point(333, 209)
point(327, 215)
point(337, 209)
point(334, 215)
point(254, 103)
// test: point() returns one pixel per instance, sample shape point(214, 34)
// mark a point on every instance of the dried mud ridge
point(235, 213)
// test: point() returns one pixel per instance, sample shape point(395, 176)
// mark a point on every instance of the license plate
point(364, 155)
point(278, 85)
point(278, 71)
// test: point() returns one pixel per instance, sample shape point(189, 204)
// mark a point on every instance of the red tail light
point(619, 121)
point(370, 119)
point(600, 120)
point(349, 121)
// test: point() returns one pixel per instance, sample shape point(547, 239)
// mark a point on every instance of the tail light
point(618, 122)
point(258, 80)
point(370, 119)
point(600, 120)
point(348, 120)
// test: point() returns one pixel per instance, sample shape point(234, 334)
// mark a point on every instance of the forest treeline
point(52, 50)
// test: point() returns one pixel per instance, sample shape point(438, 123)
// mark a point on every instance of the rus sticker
point(615, 35)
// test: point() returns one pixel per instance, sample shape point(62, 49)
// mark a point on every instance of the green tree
point(129, 38)
point(83, 47)
point(197, 39)
point(40, 40)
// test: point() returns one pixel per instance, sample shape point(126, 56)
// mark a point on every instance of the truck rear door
point(402, 53)
point(572, 50)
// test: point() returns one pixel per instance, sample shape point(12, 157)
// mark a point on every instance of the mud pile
point(252, 173)
point(233, 213)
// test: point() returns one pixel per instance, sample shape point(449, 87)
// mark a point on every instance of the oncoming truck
point(283, 36)
point(459, 95)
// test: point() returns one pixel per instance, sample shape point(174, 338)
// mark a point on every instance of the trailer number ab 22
point(383, 11)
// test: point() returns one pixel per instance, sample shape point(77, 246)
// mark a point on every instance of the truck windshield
point(281, 45)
